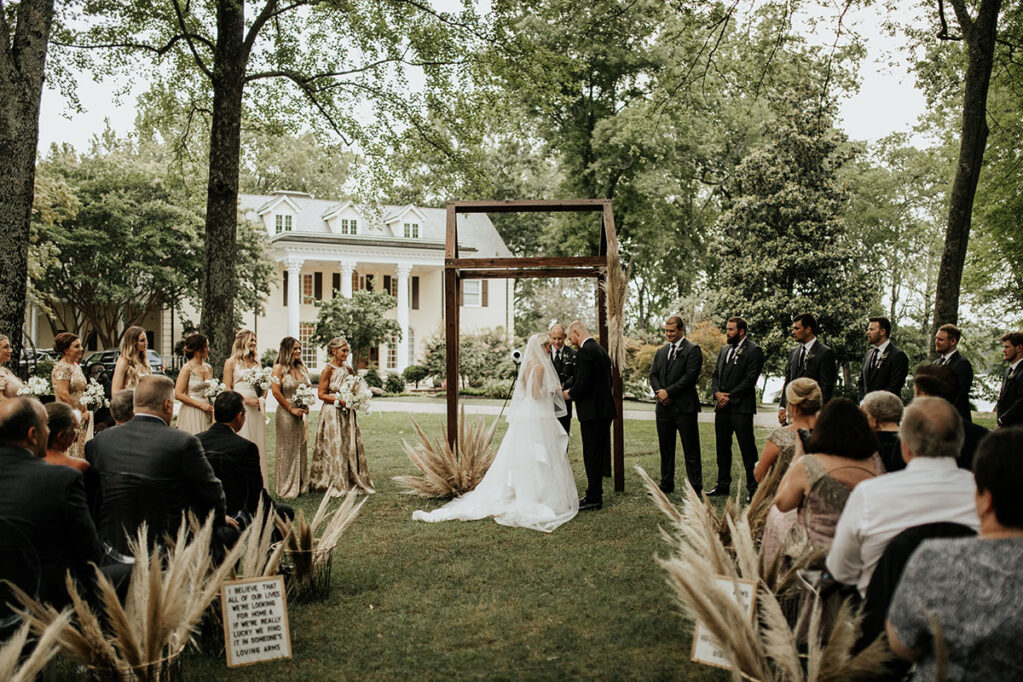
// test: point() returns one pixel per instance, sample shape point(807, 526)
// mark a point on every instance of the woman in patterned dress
point(133, 363)
point(243, 358)
point(196, 411)
point(69, 383)
point(9, 384)
point(339, 461)
point(290, 477)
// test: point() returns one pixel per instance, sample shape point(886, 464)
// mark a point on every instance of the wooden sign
point(255, 620)
point(705, 647)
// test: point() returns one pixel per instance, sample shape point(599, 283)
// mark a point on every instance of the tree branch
point(159, 51)
point(302, 79)
point(188, 39)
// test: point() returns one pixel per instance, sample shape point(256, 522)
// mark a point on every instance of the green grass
point(475, 599)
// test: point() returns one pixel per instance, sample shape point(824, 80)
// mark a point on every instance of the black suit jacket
point(1010, 399)
point(678, 379)
point(565, 367)
point(591, 386)
point(244, 458)
point(47, 503)
point(818, 365)
point(170, 458)
point(738, 378)
point(889, 376)
point(963, 368)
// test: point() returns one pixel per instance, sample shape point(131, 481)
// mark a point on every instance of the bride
point(530, 483)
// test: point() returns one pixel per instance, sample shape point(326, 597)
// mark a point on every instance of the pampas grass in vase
point(14, 668)
point(445, 473)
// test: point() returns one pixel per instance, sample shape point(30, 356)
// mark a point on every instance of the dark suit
point(887, 373)
point(738, 378)
point(963, 368)
point(595, 409)
point(565, 367)
point(244, 458)
point(678, 377)
point(1010, 398)
point(47, 504)
point(818, 364)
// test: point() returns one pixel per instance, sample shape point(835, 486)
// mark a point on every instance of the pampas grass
point(616, 289)
point(308, 546)
point(261, 557)
point(446, 473)
point(13, 669)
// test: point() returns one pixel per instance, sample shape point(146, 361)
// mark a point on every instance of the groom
point(595, 408)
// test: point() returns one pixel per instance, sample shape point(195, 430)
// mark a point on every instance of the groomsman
point(884, 366)
point(946, 345)
point(673, 376)
point(1010, 398)
point(811, 359)
point(735, 403)
point(563, 358)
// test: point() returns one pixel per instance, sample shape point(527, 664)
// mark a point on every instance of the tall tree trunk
point(979, 34)
point(22, 65)
point(218, 284)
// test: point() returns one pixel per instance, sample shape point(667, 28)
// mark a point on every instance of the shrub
point(497, 388)
point(394, 383)
point(268, 358)
point(415, 373)
point(372, 378)
point(481, 357)
point(314, 378)
point(44, 369)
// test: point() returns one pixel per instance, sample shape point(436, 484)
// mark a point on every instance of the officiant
point(563, 358)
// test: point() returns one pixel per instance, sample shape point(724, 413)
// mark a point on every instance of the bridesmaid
point(290, 479)
point(243, 357)
point(9, 384)
point(133, 363)
point(69, 383)
point(339, 462)
point(196, 411)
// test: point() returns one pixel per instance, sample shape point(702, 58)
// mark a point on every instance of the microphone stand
point(510, 389)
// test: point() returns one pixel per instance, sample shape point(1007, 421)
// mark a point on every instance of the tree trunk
point(980, 40)
point(218, 283)
point(22, 64)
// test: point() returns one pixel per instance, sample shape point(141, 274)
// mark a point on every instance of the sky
point(887, 101)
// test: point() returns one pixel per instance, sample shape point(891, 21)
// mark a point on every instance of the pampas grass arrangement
point(446, 473)
point(309, 546)
point(13, 668)
point(616, 289)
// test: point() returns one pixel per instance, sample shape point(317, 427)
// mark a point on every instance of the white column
point(347, 267)
point(34, 323)
point(294, 266)
point(403, 273)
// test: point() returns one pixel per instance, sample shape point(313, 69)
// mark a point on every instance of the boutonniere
point(884, 356)
point(738, 354)
point(809, 356)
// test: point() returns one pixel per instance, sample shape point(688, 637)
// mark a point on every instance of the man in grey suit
point(673, 376)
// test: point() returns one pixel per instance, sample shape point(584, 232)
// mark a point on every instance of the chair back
point(19, 564)
point(128, 500)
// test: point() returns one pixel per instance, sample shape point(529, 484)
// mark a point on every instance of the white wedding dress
point(530, 484)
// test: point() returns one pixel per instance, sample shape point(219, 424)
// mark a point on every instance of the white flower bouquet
point(259, 379)
point(305, 396)
point(94, 397)
point(211, 388)
point(356, 394)
point(36, 386)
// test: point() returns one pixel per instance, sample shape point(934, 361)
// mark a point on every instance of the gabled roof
point(276, 200)
point(395, 216)
point(338, 209)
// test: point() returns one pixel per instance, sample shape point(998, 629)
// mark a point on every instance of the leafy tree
point(415, 373)
point(360, 319)
point(272, 160)
point(481, 357)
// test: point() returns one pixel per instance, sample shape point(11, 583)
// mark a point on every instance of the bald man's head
point(155, 396)
point(23, 425)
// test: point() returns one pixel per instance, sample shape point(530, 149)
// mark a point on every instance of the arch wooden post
point(456, 269)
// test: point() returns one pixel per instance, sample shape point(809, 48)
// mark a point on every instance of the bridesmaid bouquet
point(211, 388)
point(356, 394)
point(259, 379)
point(305, 396)
point(94, 397)
point(37, 386)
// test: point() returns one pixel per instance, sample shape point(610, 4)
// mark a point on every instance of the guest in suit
point(946, 345)
point(811, 358)
point(595, 409)
point(563, 358)
point(735, 403)
point(673, 376)
point(884, 366)
point(1009, 408)
point(122, 406)
point(244, 493)
point(171, 459)
point(45, 502)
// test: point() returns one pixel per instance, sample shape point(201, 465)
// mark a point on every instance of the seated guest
point(63, 425)
point(244, 493)
point(968, 592)
point(884, 414)
point(122, 407)
point(840, 455)
point(938, 381)
point(150, 451)
point(45, 502)
point(930, 489)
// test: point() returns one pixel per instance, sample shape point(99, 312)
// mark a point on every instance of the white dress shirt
point(928, 490)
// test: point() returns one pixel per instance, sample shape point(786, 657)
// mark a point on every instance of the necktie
point(557, 357)
point(802, 357)
point(873, 360)
point(731, 354)
point(944, 361)
point(671, 354)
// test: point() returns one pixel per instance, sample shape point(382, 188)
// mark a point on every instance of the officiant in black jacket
point(885, 366)
point(563, 358)
point(673, 377)
point(811, 359)
point(733, 385)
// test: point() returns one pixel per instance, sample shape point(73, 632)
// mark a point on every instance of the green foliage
point(301, 163)
point(254, 272)
point(709, 338)
point(394, 383)
point(497, 388)
point(44, 369)
point(268, 358)
point(481, 357)
point(360, 319)
point(373, 379)
point(413, 374)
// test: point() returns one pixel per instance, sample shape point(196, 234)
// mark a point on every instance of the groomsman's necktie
point(731, 354)
point(671, 354)
point(802, 357)
point(873, 359)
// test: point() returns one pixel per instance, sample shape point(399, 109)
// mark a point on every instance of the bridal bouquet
point(36, 386)
point(355, 393)
point(259, 379)
point(305, 396)
point(211, 388)
point(94, 397)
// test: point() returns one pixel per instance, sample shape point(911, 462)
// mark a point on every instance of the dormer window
point(411, 230)
point(282, 223)
point(349, 226)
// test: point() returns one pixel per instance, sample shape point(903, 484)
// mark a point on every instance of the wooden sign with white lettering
point(255, 620)
point(705, 649)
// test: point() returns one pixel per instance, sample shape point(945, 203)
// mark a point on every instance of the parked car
point(32, 357)
point(105, 361)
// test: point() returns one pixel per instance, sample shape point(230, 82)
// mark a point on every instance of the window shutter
point(394, 287)
point(318, 286)
point(355, 281)
point(387, 283)
point(483, 295)
point(461, 294)
point(415, 293)
point(285, 288)
point(335, 283)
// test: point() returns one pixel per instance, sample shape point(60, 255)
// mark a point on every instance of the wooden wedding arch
point(456, 269)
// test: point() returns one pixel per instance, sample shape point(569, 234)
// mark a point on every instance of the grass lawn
point(475, 599)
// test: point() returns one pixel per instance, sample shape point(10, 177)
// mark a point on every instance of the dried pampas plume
point(17, 669)
point(309, 545)
point(446, 473)
point(616, 288)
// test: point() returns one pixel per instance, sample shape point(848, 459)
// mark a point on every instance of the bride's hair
point(536, 357)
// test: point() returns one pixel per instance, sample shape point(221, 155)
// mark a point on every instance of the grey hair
point(122, 405)
point(883, 406)
point(152, 391)
point(558, 325)
point(931, 427)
